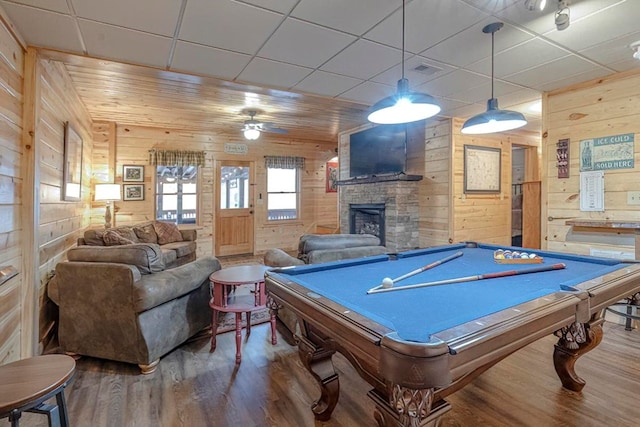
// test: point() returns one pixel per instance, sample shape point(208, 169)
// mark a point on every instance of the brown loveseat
point(178, 246)
point(122, 303)
point(319, 248)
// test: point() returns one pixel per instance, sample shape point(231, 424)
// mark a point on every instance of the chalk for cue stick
point(387, 282)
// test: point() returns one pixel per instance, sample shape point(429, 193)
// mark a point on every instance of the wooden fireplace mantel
point(380, 178)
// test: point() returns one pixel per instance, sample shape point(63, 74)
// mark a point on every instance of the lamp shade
point(493, 120)
point(251, 134)
point(107, 192)
point(404, 107)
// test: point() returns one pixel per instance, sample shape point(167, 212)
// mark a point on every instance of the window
point(282, 193)
point(176, 194)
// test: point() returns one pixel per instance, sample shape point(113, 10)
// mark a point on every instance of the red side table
point(224, 298)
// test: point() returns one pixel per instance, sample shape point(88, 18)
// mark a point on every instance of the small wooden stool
point(26, 384)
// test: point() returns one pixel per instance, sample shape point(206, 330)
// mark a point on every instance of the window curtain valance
point(284, 162)
point(176, 158)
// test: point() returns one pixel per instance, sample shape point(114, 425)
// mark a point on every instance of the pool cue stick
point(558, 266)
point(421, 269)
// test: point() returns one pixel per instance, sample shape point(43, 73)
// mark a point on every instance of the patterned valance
point(284, 162)
point(176, 158)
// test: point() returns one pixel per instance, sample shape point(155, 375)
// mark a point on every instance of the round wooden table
point(26, 384)
point(226, 298)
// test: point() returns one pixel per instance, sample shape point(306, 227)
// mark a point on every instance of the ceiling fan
point(252, 128)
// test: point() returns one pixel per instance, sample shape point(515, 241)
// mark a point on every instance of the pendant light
point(494, 119)
point(405, 106)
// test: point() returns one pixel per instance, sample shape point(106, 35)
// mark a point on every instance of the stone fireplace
point(398, 200)
point(367, 218)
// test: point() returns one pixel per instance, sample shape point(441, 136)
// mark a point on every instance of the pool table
point(416, 346)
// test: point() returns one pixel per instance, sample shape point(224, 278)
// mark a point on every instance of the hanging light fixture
point(494, 119)
point(251, 134)
point(405, 106)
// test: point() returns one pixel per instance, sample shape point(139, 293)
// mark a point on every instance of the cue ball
point(387, 282)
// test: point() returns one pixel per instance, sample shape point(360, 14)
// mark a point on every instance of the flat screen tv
point(378, 150)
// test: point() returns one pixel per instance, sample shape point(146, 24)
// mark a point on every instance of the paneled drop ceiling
point(315, 66)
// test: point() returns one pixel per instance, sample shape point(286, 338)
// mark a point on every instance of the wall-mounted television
point(380, 149)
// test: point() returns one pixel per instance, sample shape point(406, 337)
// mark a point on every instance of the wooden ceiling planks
point(135, 95)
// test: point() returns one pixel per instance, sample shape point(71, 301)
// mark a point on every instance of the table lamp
point(108, 193)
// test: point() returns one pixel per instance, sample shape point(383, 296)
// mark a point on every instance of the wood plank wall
point(60, 223)
point(481, 217)
point(132, 144)
point(602, 107)
point(11, 189)
point(436, 188)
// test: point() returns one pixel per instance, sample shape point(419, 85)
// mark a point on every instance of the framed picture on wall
point(133, 192)
point(482, 169)
point(72, 168)
point(332, 177)
point(132, 173)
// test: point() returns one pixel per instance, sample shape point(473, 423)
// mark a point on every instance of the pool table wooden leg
point(575, 340)
point(318, 362)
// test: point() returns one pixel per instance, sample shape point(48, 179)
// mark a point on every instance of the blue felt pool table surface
point(416, 314)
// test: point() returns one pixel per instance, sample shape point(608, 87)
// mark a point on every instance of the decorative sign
point(236, 148)
point(332, 177)
point(592, 191)
point(608, 152)
point(562, 158)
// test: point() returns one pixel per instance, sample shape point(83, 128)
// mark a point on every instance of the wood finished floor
point(271, 388)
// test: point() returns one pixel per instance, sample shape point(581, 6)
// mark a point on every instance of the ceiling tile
point(199, 59)
point(434, 70)
point(326, 84)
point(300, 43)
point(575, 78)
point(428, 22)
point(482, 93)
point(353, 16)
point(53, 5)
point(153, 16)
point(363, 60)
point(273, 74)
point(219, 27)
point(522, 57)
point(625, 64)
point(554, 70)
point(368, 93)
point(611, 51)
point(466, 111)
point(454, 82)
point(472, 45)
point(282, 6)
point(608, 23)
point(108, 41)
point(35, 25)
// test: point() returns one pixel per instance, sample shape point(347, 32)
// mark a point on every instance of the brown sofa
point(122, 303)
point(319, 248)
point(177, 249)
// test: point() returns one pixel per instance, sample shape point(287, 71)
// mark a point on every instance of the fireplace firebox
point(367, 219)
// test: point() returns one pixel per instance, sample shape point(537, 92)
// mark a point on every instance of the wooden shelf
point(632, 227)
point(594, 223)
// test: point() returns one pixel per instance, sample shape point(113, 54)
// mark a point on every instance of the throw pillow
point(167, 232)
point(112, 238)
point(146, 233)
point(127, 233)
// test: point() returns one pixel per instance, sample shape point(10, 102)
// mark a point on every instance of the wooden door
point(234, 208)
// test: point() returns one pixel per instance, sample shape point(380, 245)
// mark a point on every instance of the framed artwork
point(482, 169)
point(132, 173)
point(72, 168)
point(133, 192)
point(332, 177)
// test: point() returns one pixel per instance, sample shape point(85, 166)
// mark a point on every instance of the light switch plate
point(633, 197)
